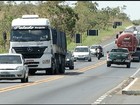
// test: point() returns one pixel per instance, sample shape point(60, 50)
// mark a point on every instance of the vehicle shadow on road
point(12, 82)
point(123, 67)
point(73, 73)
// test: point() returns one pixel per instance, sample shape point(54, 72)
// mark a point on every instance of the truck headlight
point(45, 61)
point(12, 50)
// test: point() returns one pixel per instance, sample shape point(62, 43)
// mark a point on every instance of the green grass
point(87, 40)
point(102, 35)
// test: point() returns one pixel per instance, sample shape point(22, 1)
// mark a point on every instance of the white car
point(12, 67)
point(82, 53)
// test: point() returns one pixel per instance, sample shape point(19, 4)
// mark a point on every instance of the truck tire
point(139, 59)
point(32, 72)
point(62, 66)
point(51, 70)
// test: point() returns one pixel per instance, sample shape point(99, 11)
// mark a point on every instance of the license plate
point(5, 73)
point(118, 60)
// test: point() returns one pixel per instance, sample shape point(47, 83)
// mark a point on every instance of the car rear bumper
point(123, 62)
point(82, 58)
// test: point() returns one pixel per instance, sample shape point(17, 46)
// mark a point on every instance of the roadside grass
point(86, 40)
point(102, 36)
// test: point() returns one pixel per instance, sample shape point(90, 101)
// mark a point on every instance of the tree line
point(83, 16)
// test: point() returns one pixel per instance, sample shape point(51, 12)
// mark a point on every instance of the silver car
point(82, 53)
point(12, 67)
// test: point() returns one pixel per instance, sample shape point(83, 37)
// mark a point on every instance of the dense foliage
point(84, 16)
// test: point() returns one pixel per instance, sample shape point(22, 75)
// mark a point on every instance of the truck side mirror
point(4, 36)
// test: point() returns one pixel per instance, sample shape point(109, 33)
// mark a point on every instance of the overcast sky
point(132, 7)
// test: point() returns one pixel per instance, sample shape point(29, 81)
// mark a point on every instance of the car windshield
point(10, 59)
point(93, 47)
point(81, 49)
point(119, 50)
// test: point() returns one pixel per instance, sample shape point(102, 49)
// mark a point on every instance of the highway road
point(89, 83)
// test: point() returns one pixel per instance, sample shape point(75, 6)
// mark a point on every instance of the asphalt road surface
point(88, 83)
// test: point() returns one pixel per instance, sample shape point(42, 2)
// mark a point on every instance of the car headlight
point(19, 68)
point(75, 55)
point(86, 55)
point(67, 59)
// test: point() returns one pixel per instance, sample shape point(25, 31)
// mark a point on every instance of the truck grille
point(10, 75)
point(30, 52)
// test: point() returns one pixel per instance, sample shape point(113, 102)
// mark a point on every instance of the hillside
point(84, 16)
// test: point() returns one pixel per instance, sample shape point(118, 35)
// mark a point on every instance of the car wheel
point(128, 65)
point(89, 60)
point(71, 67)
point(103, 55)
point(27, 79)
point(23, 80)
point(108, 64)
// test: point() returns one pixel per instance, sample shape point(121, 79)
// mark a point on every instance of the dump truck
point(42, 46)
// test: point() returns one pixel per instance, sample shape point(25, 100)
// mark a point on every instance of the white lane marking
point(135, 73)
point(98, 101)
point(130, 84)
point(108, 44)
point(126, 88)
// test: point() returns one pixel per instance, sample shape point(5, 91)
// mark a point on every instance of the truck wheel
point(128, 65)
point(32, 72)
point(57, 66)
point(62, 66)
point(51, 70)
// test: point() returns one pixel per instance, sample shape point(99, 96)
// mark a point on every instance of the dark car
point(69, 60)
point(119, 56)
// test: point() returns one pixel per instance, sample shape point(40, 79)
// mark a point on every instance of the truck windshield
point(30, 35)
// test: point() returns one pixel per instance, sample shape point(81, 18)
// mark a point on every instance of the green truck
point(119, 56)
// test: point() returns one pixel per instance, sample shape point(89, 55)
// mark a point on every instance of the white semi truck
point(43, 47)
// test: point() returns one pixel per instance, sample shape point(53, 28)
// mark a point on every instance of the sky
point(132, 7)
